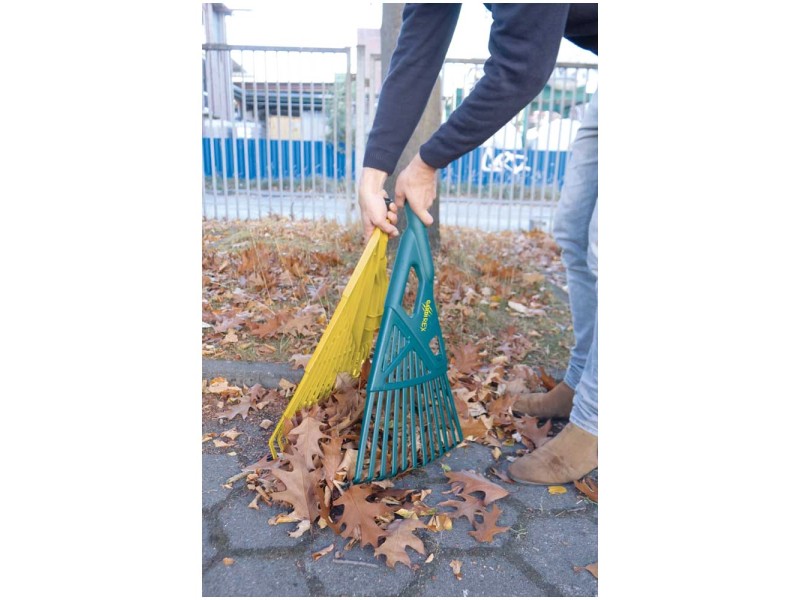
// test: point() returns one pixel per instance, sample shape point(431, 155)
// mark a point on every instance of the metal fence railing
point(513, 180)
point(284, 132)
point(277, 132)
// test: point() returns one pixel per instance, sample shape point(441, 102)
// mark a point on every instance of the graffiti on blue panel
point(497, 165)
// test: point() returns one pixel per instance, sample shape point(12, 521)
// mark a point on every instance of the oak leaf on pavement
point(485, 531)
point(399, 536)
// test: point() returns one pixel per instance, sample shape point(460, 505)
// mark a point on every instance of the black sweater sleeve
point(416, 62)
point(523, 44)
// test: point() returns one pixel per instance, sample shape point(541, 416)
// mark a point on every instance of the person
point(523, 44)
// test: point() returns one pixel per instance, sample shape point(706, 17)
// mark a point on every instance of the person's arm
point(523, 43)
point(415, 65)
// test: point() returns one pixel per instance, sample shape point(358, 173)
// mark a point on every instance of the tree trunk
point(428, 123)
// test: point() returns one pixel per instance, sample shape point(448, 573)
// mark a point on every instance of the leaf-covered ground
point(313, 477)
point(269, 288)
point(268, 291)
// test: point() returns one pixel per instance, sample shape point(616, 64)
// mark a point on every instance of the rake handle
point(415, 235)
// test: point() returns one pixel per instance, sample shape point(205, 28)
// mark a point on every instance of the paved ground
point(550, 534)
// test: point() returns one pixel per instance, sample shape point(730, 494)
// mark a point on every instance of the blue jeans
point(575, 230)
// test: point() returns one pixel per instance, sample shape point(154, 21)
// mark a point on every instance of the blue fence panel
point(539, 168)
point(299, 160)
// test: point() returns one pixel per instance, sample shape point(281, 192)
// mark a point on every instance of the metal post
point(361, 67)
point(256, 124)
point(246, 136)
point(280, 131)
point(313, 153)
point(267, 135)
point(348, 147)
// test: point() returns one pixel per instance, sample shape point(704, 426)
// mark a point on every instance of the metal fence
point(284, 131)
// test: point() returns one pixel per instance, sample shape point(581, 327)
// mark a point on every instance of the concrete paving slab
point(247, 528)
point(217, 469)
point(362, 575)
point(489, 574)
point(554, 545)
point(256, 576)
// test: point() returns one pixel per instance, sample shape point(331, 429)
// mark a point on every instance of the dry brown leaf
point(240, 409)
point(399, 536)
point(218, 385)
point(358, 518)
point(323, 552)
point(485, 532)
point(466, 509)
point(529, 427)
point(266, 424)
point(284, 518)
point(588, 487)
point(456, 566)
point(592, 568)
point(301, 360)
point(231, 434)
point(222, 444)
point(468, 482)
point(473, 427)
point(501, 475)
point(302, 527)
point(466, 359)
point(300, 485)
point(331, 458)
point(306, 437)
point(440, 522)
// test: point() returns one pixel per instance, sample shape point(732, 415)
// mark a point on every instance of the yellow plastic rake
point(348, 338)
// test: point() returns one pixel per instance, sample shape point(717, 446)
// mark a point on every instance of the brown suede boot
point(567, 457)
point(555, 403)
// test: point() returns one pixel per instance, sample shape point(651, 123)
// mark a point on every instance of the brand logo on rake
point(427, 311)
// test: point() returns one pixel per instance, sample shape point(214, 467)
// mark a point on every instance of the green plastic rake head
point(410, 417)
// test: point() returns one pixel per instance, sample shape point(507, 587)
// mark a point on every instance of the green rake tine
point(420, 418)
point(405, 424)
point(396, 425)
point(451, 409)
point(432, 425)
point(447, 430)
point(385, 435)
point(427, 419)
point(395, 349)
point(441, 432)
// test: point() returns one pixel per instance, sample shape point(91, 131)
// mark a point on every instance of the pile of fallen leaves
point(270, 288)
point(314, 475)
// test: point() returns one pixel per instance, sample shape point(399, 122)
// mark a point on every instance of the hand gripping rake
point(348, 337)
point(410, 417)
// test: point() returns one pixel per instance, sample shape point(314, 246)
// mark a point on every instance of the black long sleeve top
point(523, 46)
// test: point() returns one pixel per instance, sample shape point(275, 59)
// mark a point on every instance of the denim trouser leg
point(575, 230)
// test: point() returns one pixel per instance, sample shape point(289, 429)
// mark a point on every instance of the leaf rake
point(348, 337)
point(410, 416)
